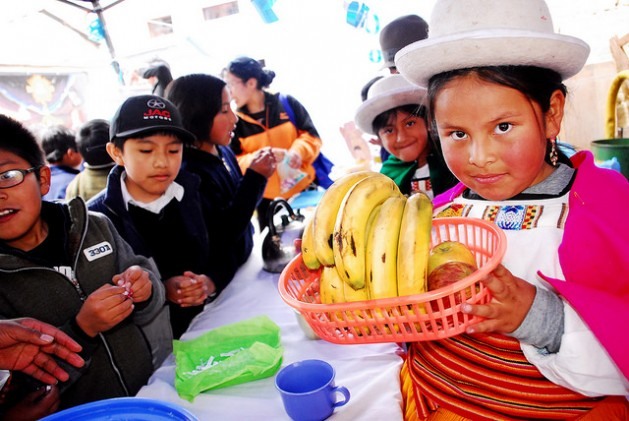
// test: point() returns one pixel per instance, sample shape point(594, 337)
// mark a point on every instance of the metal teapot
point(279, 245)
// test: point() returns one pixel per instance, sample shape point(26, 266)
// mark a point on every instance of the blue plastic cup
point(308, 390)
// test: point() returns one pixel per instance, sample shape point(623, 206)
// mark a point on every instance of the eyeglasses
point(12, 178)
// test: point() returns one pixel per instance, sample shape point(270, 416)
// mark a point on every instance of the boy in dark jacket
point(155, 206)
point(70, 268)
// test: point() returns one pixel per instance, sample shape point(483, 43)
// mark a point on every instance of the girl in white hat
point(553, 342)
point(394, 111)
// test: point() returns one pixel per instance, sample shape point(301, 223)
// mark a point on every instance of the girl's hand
point(294, 160)
point(279, 153)
point(264, 162)
point(137, 282)
point(512, 299)
point(104, 309)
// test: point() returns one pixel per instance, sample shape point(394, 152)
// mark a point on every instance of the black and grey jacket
point(119, 360)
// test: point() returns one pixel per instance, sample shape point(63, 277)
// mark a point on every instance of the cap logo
point(156, 110)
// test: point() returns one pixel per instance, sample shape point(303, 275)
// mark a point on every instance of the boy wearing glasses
point(70, 268)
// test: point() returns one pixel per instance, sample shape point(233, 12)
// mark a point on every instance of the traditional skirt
point(487, 377)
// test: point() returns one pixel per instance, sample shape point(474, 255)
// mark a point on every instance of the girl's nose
point(480, 153)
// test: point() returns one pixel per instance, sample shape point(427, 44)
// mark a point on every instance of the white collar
point(174, 191)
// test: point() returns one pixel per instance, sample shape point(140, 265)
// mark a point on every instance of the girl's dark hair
point(536, 83)
point(199, 98)
point(56, 140)
point(383, 118)
point(18, 140)
point(246, 68)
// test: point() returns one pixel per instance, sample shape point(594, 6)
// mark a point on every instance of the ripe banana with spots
point(326, 212)
point(350, 236)
point(331, 286)
point(382, 249)
point(307, 246)
point(414, 245)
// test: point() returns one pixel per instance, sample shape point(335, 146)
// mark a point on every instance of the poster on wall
point(40, 99)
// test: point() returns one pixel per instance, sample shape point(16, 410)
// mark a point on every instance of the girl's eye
point(410, 123)
point(386, 131)
point(458, 135)
point(502, 128)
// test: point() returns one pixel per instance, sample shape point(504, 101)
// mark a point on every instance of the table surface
point(370, 372)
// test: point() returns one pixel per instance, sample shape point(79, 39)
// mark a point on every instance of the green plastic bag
point(226, 356)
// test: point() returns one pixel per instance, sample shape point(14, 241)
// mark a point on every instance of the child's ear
point(554, 115)
point(44, 180)
point(115, 153)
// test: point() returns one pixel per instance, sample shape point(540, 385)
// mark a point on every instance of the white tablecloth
point(370, 372)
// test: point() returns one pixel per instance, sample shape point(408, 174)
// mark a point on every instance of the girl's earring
point(554, 157)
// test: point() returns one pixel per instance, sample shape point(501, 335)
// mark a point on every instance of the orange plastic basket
point(422, 317)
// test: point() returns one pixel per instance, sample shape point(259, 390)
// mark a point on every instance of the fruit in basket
point(326, 212)
point(382, 249)
point(330, 286)
point(449, 251)
point(414, 245)
point(307, 246)
point(449, 262)
point(351, 223)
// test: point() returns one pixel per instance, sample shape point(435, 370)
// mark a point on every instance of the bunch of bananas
point(369, 240)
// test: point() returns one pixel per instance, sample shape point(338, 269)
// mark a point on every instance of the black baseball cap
point(143, 114)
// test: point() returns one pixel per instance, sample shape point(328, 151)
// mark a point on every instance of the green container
point(607, 149)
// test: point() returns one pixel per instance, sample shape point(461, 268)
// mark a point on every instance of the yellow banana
point(330, 286)
point(307, 246)
point(325, 214)
point(414, 245)
point(350, 230)
point(382, 249)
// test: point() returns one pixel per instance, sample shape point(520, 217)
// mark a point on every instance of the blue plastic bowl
point(127, 409)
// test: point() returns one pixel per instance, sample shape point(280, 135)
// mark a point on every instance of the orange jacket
point(280, 132)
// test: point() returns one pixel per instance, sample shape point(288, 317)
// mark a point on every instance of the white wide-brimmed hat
point(386, 94)
point(475, 33)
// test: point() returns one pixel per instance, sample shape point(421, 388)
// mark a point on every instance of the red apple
point(449, 251)
point(449, 273)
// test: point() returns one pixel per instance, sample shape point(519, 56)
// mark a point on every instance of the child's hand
point(279, 154)
point(35, 405)
point(264, 162)
point(104, 309)
point(294, 160)
point(512, 299)
point(137, 283)
point(189, 290)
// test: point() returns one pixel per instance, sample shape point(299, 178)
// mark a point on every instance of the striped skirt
point(487, 377)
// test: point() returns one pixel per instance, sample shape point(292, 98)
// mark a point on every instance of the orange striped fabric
point(485, 377)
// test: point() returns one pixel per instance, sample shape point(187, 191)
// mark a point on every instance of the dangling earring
point(554, 157)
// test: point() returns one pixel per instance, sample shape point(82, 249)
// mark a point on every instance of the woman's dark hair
point(246, 68)
point(198, 97)
point(536, 83)
point(383, 119)
point(18, 140)
point(56, 140)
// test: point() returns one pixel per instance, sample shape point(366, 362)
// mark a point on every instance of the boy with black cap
point(155, 206)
